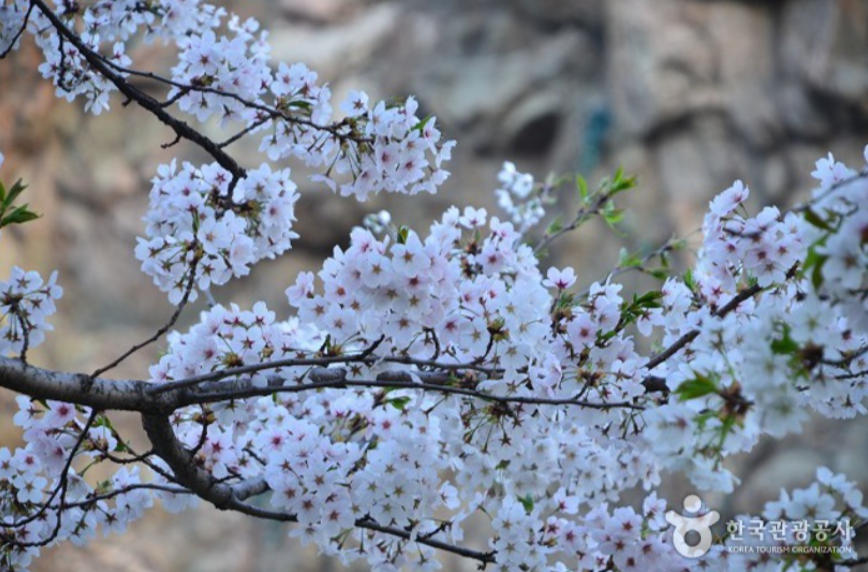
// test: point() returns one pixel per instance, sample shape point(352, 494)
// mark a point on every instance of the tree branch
point(79, 388)
point(229, 497)
point(692, 334)
point(165, 327)
point(18, 34)
point(139, 396)
point(390, 382)
point(181, 128)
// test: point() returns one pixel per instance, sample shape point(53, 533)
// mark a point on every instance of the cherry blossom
point(421, 380)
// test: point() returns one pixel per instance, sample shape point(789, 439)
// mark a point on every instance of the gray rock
point(490, 85)
point(800, 114)
point(661, 64)
point(318, 11)
point(825, 45)
point(333, 51)
point(532, 125)
point(563, 12)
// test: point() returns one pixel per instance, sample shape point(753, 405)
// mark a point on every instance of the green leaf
point(301, 104)
point(14, 192)
point(786, 345)
point(664, 260)
point(817, 274)
point(421, 125)
point(527, 503)
point(815, 219)
point(648, 300)
point(703, 418)
point(621, 183)
point(556, 226)
point(565, 300)
point(403, 233)
point(689, 281)
point(18, 216)
point(399, 403)
point(728, 423)
point(582, 185)
point(103, 421)
point(814, 264)
point(627, 259)
point(612, 215)
point(699, 386)
point(659, 273)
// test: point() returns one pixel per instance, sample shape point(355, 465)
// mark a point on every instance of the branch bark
point(79, 388)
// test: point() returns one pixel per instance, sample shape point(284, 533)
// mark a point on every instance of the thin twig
point(18, 34)
point(162, 330)
point(97, 62)
point(60, 489)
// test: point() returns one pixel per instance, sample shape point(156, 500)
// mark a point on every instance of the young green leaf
point(582, 185)
point(699, 386)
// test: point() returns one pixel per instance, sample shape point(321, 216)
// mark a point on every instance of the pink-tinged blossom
point(448, 346)
point(560, 279)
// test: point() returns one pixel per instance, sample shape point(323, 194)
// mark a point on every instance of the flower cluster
point(204, 222)
point(380, 148)
point(427, 377)
point(764, 247)
point(37, 478)
point(231, 338)
point(734, 388)
point(12, 19)
point(517, 197)
point(235, 65)
point(840, 230)
point(73, 76)
point(26, 300)
point(223, 70)
point(118, 20)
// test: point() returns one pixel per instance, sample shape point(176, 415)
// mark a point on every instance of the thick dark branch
point(397, 381)
point(181, 128)
point(253, 368)
point(180, 460)
point(134, 395)
point(229, 497)
point(79, 388)
point(364, 357)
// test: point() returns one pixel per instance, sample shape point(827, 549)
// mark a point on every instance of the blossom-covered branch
point(420, 376)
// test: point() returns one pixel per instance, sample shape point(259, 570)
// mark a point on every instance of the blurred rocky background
point(687, 94)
